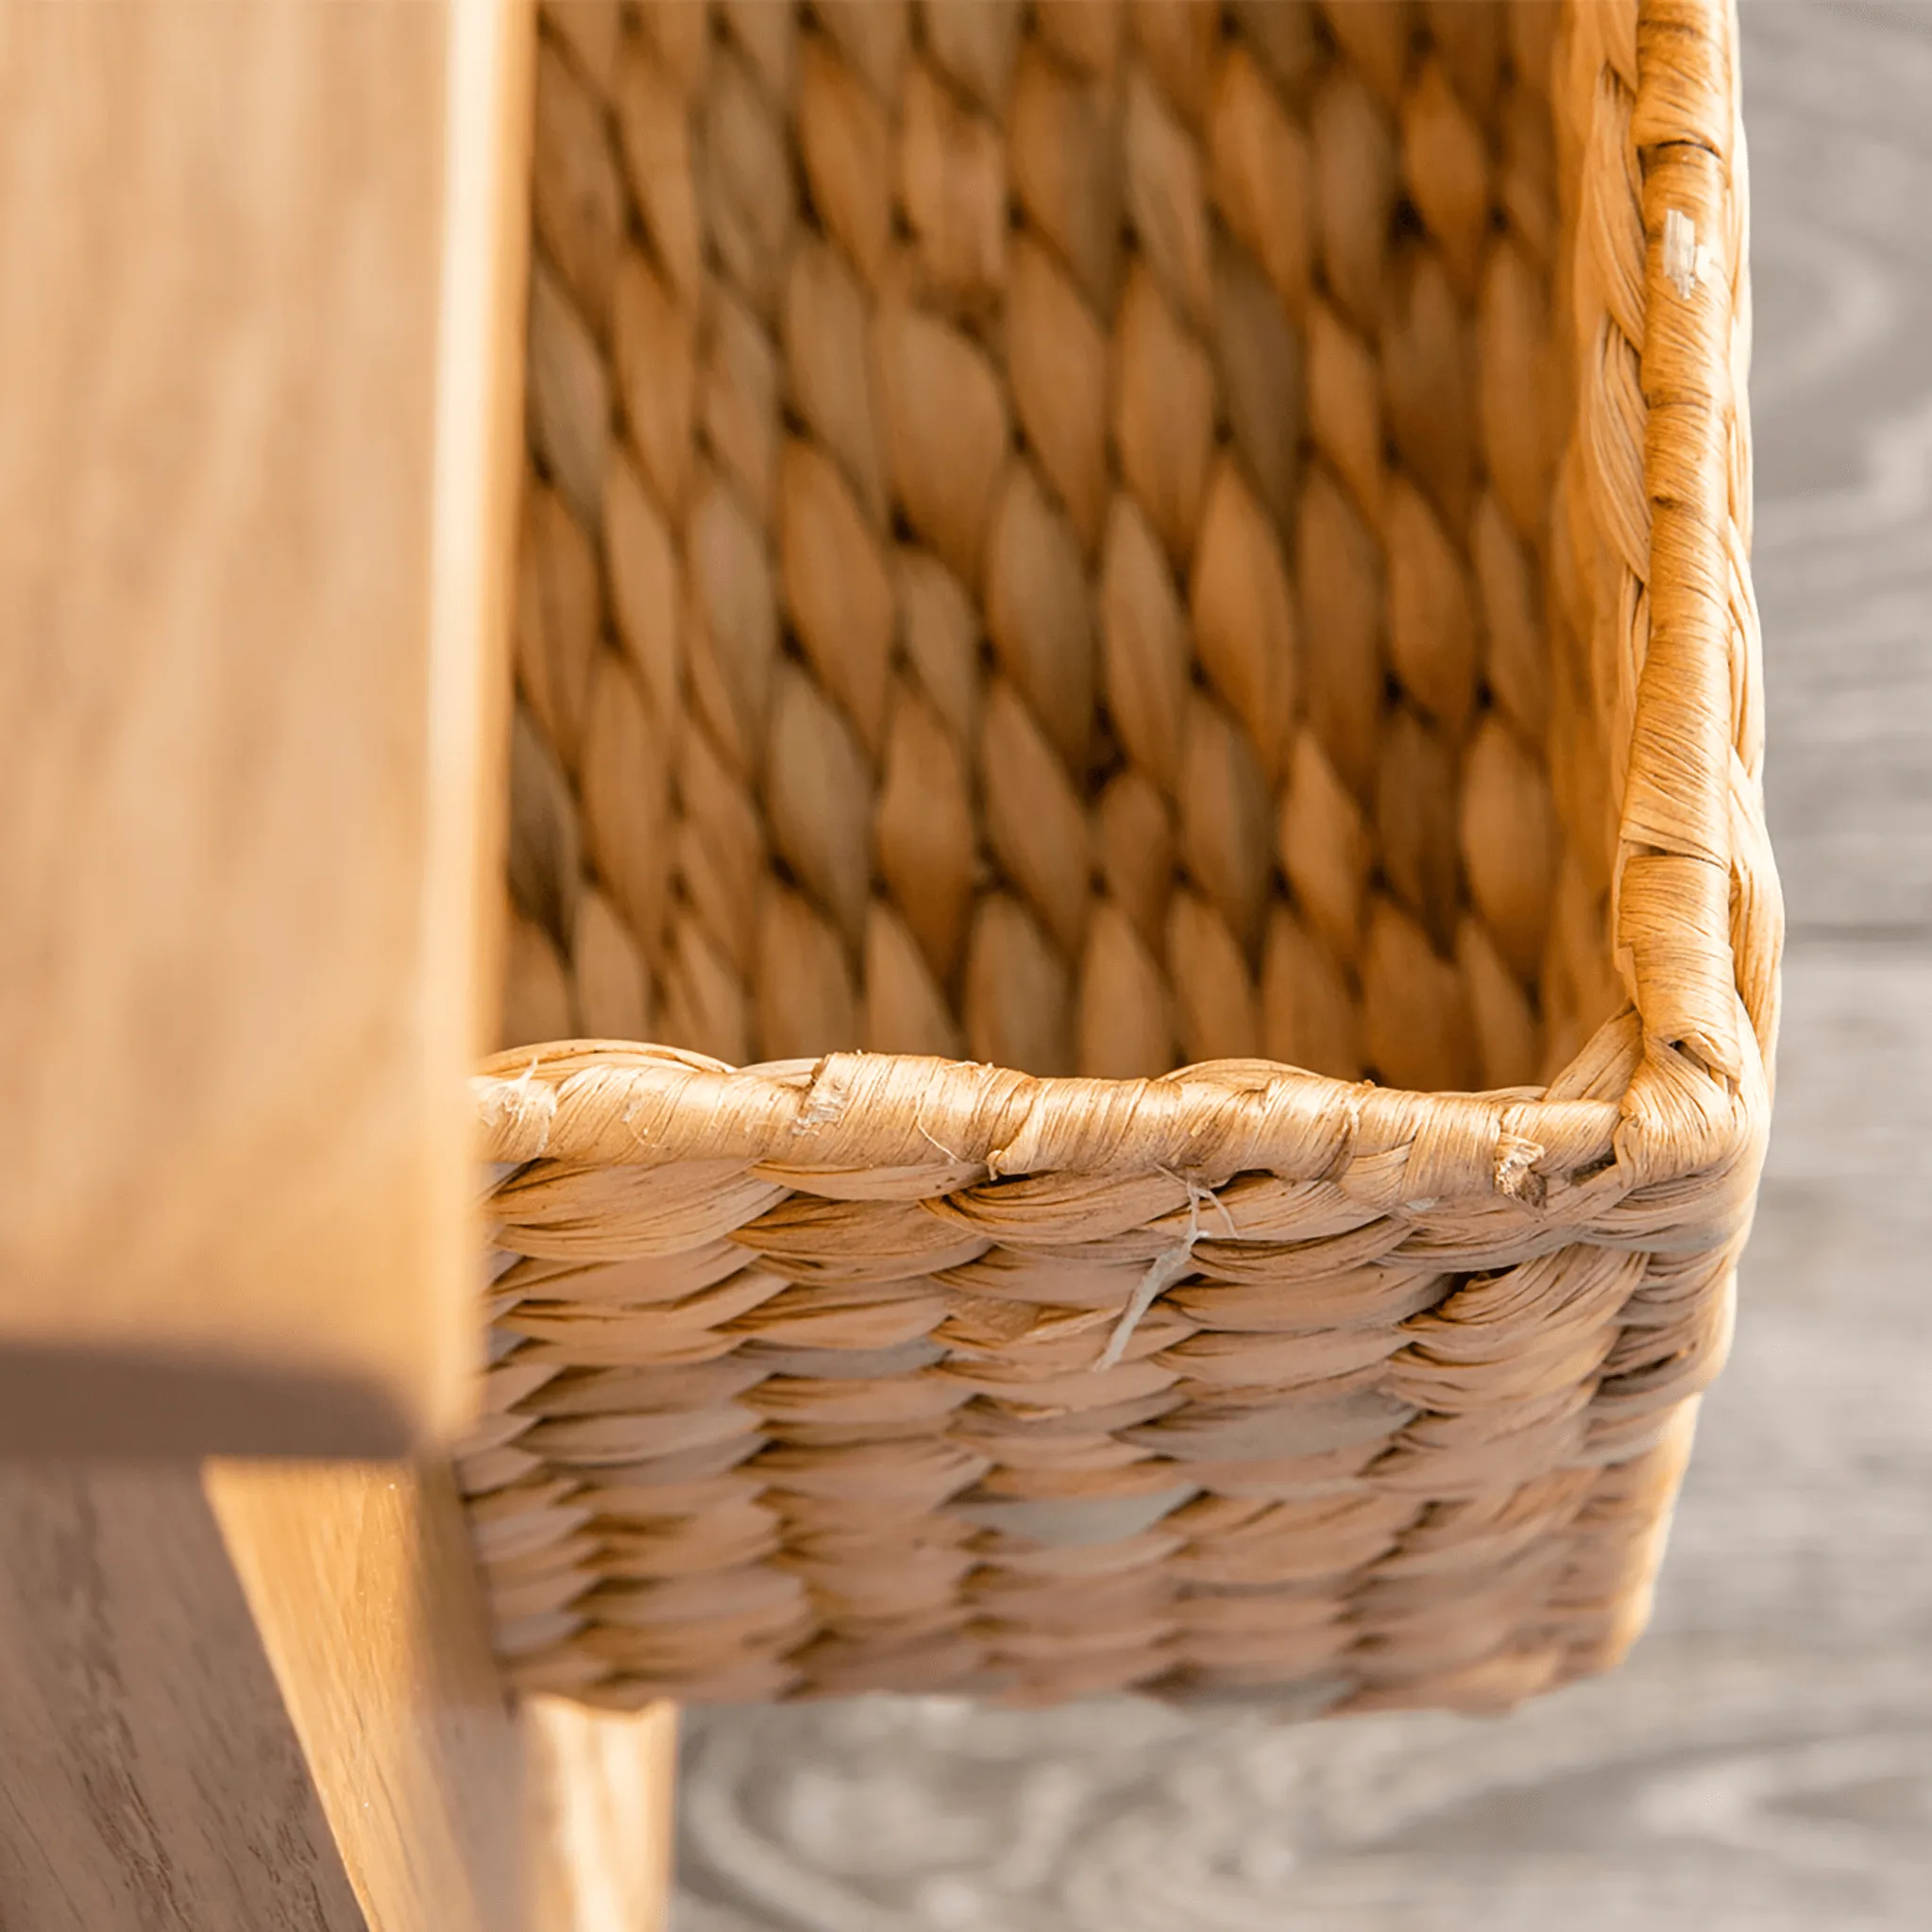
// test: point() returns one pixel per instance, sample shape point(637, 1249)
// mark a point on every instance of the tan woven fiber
point(1098, 539)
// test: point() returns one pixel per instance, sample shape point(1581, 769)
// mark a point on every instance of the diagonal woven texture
point(1080, 539)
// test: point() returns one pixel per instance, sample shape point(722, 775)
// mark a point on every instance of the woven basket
point(1064, 542)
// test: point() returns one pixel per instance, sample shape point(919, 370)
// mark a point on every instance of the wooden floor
point(1765, 1762)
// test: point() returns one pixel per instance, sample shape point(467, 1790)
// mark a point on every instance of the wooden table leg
point(601, 1785)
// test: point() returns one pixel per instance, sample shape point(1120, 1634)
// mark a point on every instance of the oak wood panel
point(258, 326)
point(150, 1778)
point(261, 1698)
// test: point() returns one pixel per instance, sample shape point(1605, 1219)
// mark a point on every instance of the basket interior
point(1044, 541)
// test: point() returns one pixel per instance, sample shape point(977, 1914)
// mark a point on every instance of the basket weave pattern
point(1090, 539)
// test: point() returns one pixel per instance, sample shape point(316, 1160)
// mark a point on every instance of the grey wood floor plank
point(1842, 392)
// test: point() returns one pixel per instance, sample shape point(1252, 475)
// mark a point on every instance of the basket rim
point(1676, 1084)
point(1698, 918)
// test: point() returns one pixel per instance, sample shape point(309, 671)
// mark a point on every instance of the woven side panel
point(1391, 1413)
point(1066, 497)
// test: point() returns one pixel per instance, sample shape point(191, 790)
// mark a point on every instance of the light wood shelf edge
point(260, 332)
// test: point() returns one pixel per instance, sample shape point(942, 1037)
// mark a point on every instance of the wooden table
point(260, 329)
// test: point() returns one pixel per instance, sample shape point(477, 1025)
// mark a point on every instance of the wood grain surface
point(261, 1699)
point(1764, 1763)
point(150, 1779)
point(600, 1787)
point(454, 1810)
point(256, 330)
point(365, 1597)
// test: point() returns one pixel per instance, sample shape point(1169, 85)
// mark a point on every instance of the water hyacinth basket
point(1134, 652)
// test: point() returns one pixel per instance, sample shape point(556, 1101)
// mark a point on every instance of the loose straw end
point(1164, 1271)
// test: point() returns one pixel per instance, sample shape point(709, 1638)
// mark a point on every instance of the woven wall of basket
point(1064, 542)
